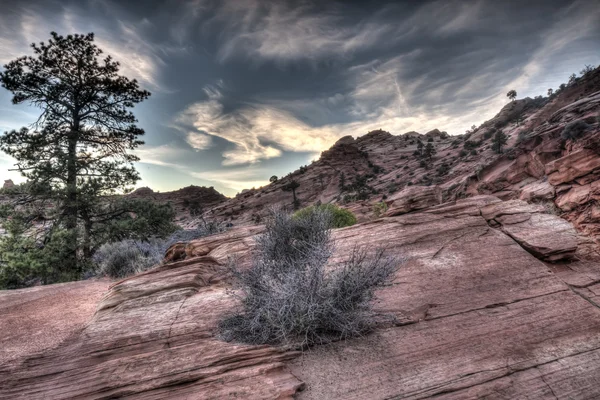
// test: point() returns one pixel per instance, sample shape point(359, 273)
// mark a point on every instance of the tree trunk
point(296, 204)
point(70, 207)
point(87, 236)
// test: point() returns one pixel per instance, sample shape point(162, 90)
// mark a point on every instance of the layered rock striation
point(474, 311)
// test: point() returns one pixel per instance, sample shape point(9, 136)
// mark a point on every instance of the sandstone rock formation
point(8, 183)
point(40, 318)
point(471, 313)
point(537, 165)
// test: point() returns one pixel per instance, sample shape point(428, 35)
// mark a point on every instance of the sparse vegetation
point(443, 169)
point(471, 144)
point(291, 186)
point(430, 151)
point(379, 209)
point(522, 136)
point(129, 257)
point(574, 130)
point(289, 296)
point(588, 68)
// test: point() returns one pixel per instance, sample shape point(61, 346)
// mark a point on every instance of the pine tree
point(499, 141)
point(430, 151)
point(77, 150)
point(291, 187)
point(512, 95)
point(420, 147)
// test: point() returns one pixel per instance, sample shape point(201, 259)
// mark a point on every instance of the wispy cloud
point(138, 57)
point(282, 32)
point(165, 155)
point(236, 179)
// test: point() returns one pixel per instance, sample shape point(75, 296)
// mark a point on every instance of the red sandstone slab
point(448, 354)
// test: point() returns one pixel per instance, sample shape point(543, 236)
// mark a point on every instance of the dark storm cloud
point(246, 89)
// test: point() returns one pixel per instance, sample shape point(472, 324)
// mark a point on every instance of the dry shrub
point(289, 296)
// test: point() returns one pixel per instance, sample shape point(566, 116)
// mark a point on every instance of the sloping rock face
point(470, 313)
point(476, 316)
point(413, 198)
point(37, 319)
point(572, 166)
point(153, 337)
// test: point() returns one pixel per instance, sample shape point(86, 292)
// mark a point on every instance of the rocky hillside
point(537, 164)
point(187, 202)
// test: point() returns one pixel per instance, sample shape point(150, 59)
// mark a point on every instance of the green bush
point(340, 217)
point(25, 261)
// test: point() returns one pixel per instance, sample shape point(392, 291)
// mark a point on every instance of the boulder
point(539, 190)
point(578, 195)
point(546, 236)
point(8, 183)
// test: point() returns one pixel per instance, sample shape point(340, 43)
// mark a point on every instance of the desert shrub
point(340, 217)
point(443, 169)
point(473, 152)
point(574, 130)
point(377, 169)
point(131, 256)
point(488, 134)
point(462, 153)
point(289, 296)
point(471, 144)
point(379, 209)
point(127, 257)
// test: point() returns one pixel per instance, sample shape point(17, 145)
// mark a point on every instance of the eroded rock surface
point(153, 337)
point(37, 319)
point(471, 313)
point(413, 198)
point(545, 236)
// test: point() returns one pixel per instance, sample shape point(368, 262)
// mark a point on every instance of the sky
point(246, 89)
